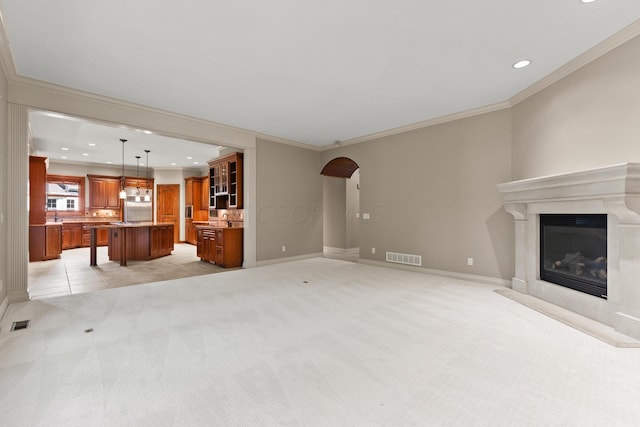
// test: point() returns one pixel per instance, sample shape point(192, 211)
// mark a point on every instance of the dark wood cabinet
point(160, 240)
point(37, 190)
point(72, 235)
point(235, 182)
point(222, 246)
point(142, 183)
point(188, 191)
point(225, 182)
point(104, 192)
point(204, 194)
point(208, 244)
point(193, 194)
point(102, 234)
point(143, 242)
point(190, 232)
point(45, 242)
point(78, 234)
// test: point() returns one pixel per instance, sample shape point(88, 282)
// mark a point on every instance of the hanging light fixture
point(123, 194)
point(137, 176)
point(147, 196)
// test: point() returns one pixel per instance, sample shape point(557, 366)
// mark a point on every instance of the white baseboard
point(452, 274)
point(351, 254)
point(287, 259)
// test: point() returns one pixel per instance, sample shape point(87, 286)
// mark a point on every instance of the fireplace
point(576, 221)
point(573, 252)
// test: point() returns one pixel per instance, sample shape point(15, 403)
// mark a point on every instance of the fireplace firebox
point(573, 251)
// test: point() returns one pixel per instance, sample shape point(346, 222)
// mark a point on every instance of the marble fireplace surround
point(612, 190)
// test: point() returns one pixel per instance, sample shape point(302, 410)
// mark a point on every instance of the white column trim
point(17, 214)
point(250, 207)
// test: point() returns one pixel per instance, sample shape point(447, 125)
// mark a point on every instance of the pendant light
point(147, 196)
point(138, 176)
point(123, 194)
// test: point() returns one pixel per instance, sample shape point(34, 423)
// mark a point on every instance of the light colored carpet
point(588, 326)
point(316, 342)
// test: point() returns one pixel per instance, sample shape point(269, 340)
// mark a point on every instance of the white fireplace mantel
point(612, 190)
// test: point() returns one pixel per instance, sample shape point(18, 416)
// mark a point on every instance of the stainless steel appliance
point(137, 211)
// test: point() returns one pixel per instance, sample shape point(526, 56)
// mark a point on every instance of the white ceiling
point(311, 72)
point(68, 139)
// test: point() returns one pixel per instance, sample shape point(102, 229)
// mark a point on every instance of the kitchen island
point(134, 241)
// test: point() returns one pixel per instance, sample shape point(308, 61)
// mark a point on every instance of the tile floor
point(71, 274)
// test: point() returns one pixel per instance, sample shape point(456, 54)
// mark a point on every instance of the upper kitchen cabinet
point(37, 190)
point(225, 186)
point(141, 183)
point(193, 193)
point(104, 192)
point(204, 195)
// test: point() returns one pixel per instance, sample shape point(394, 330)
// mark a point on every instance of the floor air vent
point(404, 258)
point(22, 324)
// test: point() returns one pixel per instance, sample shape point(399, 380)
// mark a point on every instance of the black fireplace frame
point(573, 220)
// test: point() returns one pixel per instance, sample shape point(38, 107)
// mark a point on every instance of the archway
point(341, 207)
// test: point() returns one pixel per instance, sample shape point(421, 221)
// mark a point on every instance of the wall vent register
point(408, 259)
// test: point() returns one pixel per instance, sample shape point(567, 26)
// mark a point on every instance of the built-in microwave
point(188, 212)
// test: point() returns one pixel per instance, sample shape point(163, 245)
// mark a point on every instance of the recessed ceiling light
point(63, 157)
point(196, 163)
point(521, 64)
point(65, 148)
point(148, 132)
point(173, 164)
point(587, 1)
point(189, 157)
point(92, 144)
point(85, 154)
point(109, 163)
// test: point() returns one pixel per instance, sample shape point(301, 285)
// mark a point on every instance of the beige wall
point(341, 203)
point(353, 208)
point(3, 182)
point(334, 204)
point(289, 201)
point(432, 192)
point(589, 119)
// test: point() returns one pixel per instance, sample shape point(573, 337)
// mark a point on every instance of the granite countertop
point(115, 224)
point(88, 220)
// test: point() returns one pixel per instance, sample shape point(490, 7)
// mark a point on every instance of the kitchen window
point(65, 193)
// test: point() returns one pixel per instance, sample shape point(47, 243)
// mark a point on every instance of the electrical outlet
point(1, 286)
point(284, 249)
point(469, 261)
point(373, 250)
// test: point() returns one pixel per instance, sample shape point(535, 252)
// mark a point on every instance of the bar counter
point(134, 241)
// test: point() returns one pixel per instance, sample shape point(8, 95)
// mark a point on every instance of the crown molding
point(622, 36)
point(286, 141)
point(419, 125)
point(29, 82)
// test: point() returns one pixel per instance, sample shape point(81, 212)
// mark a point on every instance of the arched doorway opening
point(341, 207)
